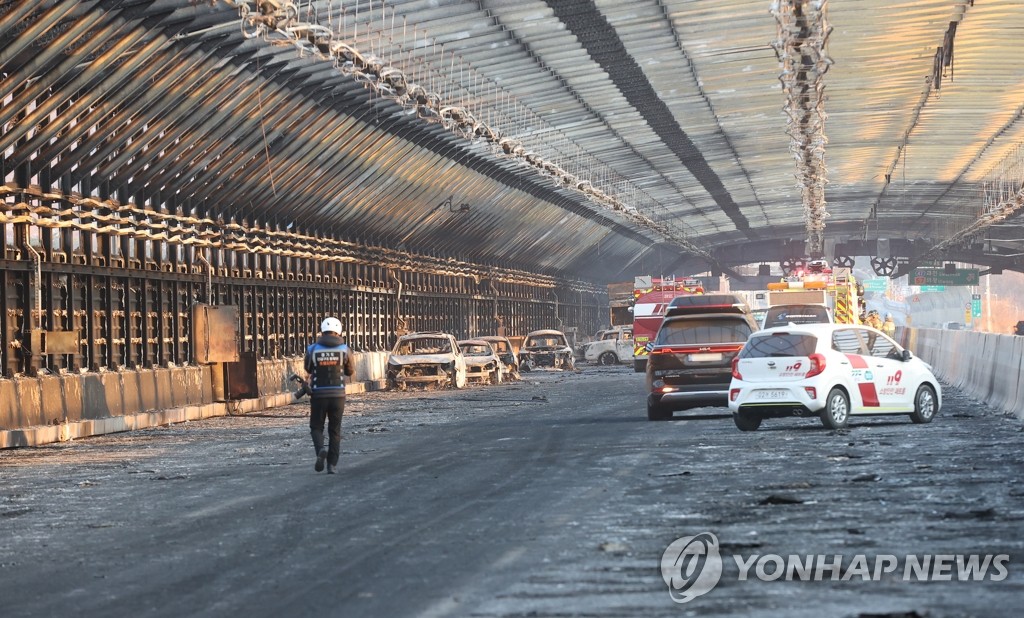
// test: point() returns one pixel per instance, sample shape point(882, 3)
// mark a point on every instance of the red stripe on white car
point(857, 361)
point(869, 394)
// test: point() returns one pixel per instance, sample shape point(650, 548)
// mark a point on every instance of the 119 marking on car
point(833, 371)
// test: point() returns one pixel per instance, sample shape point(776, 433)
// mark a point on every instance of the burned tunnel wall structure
point(130, 299)
point(120, 283)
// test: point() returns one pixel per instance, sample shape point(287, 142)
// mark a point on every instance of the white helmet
point(330, 325)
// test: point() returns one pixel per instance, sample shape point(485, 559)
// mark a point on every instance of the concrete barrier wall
point(53, 408)
point(272, 376)
point(988, 366)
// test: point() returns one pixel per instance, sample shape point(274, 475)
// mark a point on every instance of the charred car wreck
point(546, 348)
point(506, 354)
point(429, 360)
point(482, 364)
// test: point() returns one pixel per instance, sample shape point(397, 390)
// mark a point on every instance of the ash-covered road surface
point(551, 497)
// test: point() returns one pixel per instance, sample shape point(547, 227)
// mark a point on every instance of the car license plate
point(706, 357)
point(771, 395)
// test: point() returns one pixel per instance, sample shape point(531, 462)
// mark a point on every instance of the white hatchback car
point(829, 370)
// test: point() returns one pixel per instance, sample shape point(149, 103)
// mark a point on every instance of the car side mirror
point(906, 355)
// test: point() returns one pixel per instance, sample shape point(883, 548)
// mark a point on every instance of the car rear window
point(702, 331)
point(779, 344)
point(802, 314)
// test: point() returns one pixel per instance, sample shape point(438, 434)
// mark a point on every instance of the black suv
point(690, 365)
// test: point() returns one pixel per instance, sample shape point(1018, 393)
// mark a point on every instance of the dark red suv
point(690, 365)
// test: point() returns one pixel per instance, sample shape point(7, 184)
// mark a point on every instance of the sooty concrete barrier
point(54, 408)
point(988, 366)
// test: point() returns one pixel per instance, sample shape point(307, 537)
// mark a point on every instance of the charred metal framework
point(153, 158)
point(284, 23)
point(129, 297)
point(141, 137)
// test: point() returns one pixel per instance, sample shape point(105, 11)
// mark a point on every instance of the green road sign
point(976, 305)
point(933, 288)
point(939, 276)
point(876, 285)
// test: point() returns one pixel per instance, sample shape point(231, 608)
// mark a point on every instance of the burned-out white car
point(482, 364)
point(427, 360)
point(546, 348)
point(507, 354)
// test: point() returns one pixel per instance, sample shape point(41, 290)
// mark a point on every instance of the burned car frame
point(546, 348)
point(427, 360)
point(507, 354)
point(482, 363)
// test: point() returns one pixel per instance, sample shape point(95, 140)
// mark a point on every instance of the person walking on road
point(889, 326)
point(327, 361)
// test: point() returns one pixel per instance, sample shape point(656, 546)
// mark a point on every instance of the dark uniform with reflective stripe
point(327, 362)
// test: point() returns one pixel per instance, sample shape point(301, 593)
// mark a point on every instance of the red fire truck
point(651, 298)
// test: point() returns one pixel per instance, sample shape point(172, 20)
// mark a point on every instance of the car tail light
point(817, 365)
point(811, 392)
point(734, 394)
point(736, 368)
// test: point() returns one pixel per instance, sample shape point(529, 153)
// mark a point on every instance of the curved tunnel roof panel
point(672, 110)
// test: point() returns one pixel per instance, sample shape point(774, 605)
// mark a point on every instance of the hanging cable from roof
point(803, 32)
point(1003, 198)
